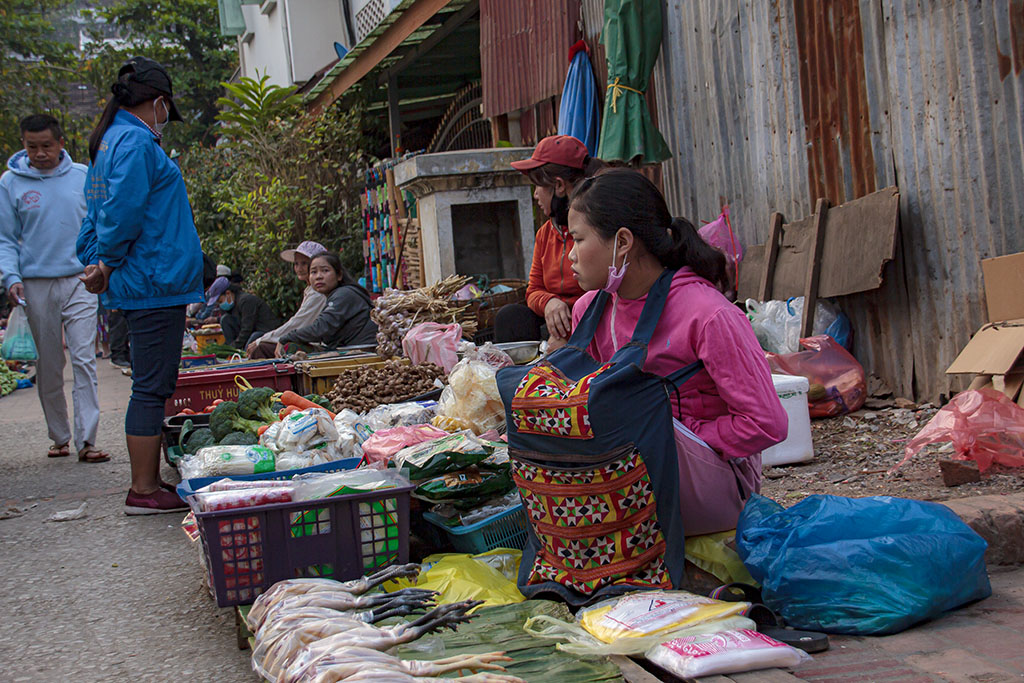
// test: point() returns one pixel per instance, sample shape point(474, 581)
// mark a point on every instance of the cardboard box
point(1004, 286)
point(995, 355)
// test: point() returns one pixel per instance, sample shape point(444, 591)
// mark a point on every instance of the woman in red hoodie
point(624, 238)
point(558, 163)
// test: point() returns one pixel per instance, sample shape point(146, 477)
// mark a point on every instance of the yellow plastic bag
point(648, 613)
point(458, 577)
point(714, 554)
point(582, 643)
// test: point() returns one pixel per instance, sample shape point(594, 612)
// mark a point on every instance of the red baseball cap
point(564, 150)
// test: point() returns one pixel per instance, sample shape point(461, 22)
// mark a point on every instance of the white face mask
point(157, 126)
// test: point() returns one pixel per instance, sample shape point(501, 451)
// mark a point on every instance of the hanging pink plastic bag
point(384, 443)
point(719, 234)
point(838, 385)
point(983, 425)
point(433, 343)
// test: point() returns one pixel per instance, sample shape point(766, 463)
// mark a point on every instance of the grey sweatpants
point(58, 309)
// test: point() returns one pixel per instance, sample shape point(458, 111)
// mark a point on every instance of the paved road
point(107, 597)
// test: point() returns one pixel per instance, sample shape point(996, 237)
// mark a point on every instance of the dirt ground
point(853, 455)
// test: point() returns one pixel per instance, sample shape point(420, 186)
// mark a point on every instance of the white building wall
point(292, 41)
point(267, 50)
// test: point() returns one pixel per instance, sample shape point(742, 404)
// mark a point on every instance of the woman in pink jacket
point(729, 412)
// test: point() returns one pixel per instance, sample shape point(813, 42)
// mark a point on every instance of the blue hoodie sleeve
point(10, 237)
point(129, 181)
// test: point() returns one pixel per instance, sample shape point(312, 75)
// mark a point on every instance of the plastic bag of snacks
point(314, 486)
point(446, 454)
point(647, 613)
point(726, 652)
point(226, 461)
point(242, 498)
point(579, 642)
point(307, 430)
point(472, 398)
point(385, 443)
point(466, 489)
point(236, 484)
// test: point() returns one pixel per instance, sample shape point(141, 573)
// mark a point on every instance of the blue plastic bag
point(862, 566)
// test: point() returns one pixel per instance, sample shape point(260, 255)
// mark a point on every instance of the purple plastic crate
point(250, 549)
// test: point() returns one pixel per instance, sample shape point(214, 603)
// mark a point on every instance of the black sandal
point(768, 622)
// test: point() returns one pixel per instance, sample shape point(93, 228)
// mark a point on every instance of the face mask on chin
point(157, 126)
point(560, 210)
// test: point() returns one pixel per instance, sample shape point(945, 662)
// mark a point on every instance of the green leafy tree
point(184, 36)
point(33, 66)
point(278, 177)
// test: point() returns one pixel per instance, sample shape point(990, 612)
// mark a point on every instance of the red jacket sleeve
point(537, 297)
point(735, 361)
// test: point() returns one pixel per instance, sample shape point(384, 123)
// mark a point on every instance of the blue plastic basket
point(506, 529)
point(190, 486)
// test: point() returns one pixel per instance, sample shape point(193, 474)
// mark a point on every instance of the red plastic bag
point(983, 425)
point(838, 385)
point(719, 234)
point(433, 343)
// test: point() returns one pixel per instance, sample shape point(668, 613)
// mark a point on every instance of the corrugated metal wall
point(768, 105)
point(524, 48)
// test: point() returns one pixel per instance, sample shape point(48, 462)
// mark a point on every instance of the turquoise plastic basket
point(504, 530)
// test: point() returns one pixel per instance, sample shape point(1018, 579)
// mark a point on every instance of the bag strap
point(680, 377)
point(587, 327)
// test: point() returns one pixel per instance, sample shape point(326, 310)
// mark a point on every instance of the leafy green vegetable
point(255, 404)
point(200, 438)
point(239, 439)
point(319, 400)
point(225, 419)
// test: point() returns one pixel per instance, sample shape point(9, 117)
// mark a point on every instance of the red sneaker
point(155, 503)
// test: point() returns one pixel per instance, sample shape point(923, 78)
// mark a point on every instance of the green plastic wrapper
point(448, 454)
point(465, 489)
point(500, 629)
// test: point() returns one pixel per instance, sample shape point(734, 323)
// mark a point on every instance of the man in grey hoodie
point(42, 204)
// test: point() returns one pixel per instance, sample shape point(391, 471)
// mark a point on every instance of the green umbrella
point(632, 39)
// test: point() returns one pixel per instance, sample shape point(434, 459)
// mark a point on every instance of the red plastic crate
point(196, 389)
point(247, 550)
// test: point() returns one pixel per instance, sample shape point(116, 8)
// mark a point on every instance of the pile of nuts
point(365, 387)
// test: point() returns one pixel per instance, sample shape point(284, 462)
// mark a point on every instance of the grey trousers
point(60, 309)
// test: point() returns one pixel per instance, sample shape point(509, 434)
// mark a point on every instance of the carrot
point(259, 432)
point(286, 411)
point(290, 398)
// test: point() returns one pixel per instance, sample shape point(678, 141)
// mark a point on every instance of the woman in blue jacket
point(141, 253)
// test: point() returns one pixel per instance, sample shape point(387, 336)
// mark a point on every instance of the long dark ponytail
point(125, 92)
point(623, 198)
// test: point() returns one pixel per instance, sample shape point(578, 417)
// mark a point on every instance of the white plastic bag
point(727, 652)
point(226, 461)
point(309, 430)
point(777, 323)
point(18, 343)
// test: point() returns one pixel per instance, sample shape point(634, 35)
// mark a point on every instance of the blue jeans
point(156, 335)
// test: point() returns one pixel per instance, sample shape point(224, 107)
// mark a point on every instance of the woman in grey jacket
point(345, 320)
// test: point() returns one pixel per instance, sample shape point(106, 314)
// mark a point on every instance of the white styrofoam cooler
point(797, 447)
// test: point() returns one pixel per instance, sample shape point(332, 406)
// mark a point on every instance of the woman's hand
point(251, 349)
point(279, 350)
point(558, 317)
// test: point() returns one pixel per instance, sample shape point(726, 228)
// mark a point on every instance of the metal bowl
point(521, 353)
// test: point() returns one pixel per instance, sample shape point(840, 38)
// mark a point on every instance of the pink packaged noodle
point(243, 498)
point(236, 484)
point(727, 652)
